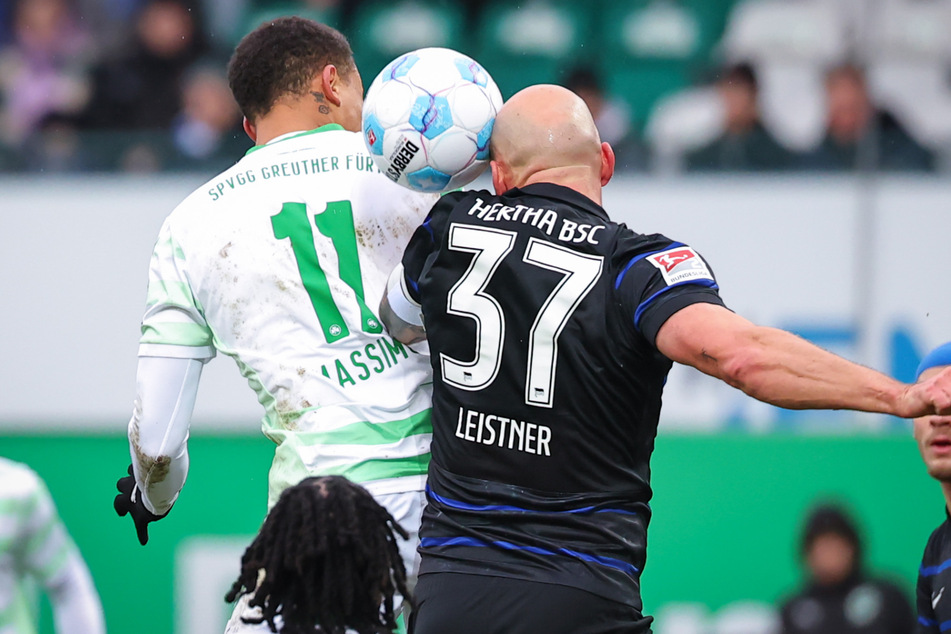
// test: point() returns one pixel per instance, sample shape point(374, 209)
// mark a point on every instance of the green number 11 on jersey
point(336, 223)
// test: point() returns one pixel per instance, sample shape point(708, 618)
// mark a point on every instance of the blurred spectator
point(744, 143)
point(5, 18)
point(141, 89)
point(330, 12)
point(207, 134)
point(55, 146)
point(43, 69)
point(839, 597)
point(109, 21)
point(859, 135)
point(612, 117)
point(37, 547)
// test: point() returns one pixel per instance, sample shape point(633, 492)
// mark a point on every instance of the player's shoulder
point(467, 197)
point(939, 542)
point(17, 480)
point(214, 189)
point(631, 244)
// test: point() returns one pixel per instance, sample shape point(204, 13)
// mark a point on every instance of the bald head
point(546, 133)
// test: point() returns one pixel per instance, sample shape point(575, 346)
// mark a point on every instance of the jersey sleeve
point(50, 556)
point(46, 546)
point(173, 325)
point(426, 240)
point(657, 277)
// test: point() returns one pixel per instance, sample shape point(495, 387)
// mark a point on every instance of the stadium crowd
point(676, 85)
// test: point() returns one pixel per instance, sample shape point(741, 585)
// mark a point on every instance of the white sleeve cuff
point(402, 305)
point(202, 353)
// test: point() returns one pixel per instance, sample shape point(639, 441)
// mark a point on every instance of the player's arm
point(175, 342)
point(777, 367)
point(52, 557)
point(75, 602)
point(166, 389)
point(401, 306)
point(158, 437)
point(400, 313)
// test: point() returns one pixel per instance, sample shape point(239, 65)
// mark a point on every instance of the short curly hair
point(282, 57)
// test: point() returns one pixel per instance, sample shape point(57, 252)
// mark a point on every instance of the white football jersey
point(35, 548)
point(281, 262)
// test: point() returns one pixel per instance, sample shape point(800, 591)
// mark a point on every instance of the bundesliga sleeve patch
point(681, 264)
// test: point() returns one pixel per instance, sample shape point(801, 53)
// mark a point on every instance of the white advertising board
point(855, 264)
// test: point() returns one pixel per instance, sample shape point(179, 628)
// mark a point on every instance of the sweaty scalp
point(545, 127)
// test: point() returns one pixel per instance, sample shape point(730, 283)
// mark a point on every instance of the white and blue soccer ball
point(427, 119)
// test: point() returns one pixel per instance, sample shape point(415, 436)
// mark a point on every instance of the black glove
point(124, 503)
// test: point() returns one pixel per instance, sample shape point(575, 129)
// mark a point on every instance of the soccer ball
point(427, 118)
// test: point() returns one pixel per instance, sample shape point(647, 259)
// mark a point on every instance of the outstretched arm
point(52, 557)
point(777, 367)
point(75, 602)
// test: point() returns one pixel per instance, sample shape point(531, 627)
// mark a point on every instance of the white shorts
point(407, 509)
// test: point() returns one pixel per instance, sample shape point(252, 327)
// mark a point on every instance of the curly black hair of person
point(326, 559)
point(282, 57)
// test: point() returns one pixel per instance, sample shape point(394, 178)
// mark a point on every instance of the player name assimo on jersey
point(680, 264)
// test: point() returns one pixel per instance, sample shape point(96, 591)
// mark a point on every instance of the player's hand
point(929, 397)
point(129, 501)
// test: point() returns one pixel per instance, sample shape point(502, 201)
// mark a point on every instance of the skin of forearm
point(782, 369)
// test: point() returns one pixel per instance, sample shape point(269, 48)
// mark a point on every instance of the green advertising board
point(727, 512)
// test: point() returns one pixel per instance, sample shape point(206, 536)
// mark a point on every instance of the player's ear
point(499, 177)
point(250, 130)
point(608, 161)
point(330, 84)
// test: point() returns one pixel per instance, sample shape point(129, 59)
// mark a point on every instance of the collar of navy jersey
point(561, 194)
point(298, 133)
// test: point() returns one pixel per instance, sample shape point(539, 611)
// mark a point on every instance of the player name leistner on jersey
point(508, 433)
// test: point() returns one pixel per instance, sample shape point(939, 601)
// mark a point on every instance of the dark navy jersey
point(934, 583)
point(541, 316)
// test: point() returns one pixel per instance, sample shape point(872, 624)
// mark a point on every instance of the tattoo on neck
point(319, 96)
point(324, 109)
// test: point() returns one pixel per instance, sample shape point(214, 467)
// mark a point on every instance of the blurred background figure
point(860, 135)
point(744, 144)
point(142, 87)
point(35, 548)
point(255, 12)
point(207, 133)
point(43, 70)
point(611, 115)
point(839, 596)
point(137, 94)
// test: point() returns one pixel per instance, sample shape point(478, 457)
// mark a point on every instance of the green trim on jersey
point(169, 244)
point(17, 614)
point(40, 538)
point(176, 334)
point(55, 565)
point(367, 433)
point(23, 507)
point(324, 128)
point(381, 468)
